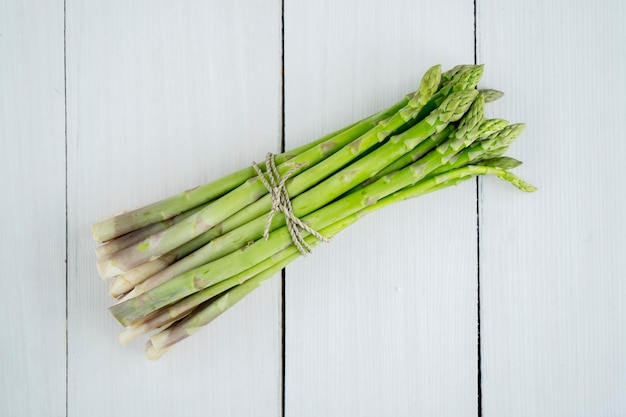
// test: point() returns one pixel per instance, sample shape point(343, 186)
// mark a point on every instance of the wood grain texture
point(552, 263)
point(163, 96)
point(32, 138)
point(382, 321)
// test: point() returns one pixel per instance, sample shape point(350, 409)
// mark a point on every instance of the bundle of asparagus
point(179, 263)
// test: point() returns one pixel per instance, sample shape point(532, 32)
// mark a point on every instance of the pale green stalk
point(125, 282)
point(138, 235)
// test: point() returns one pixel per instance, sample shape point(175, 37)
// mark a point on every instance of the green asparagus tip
point(479, 69)
point(491, 126)
point(468, 77)
point(455, 106)
point(475, 114)
point(491, 95)
point(507, 135)
point(504, 137)
point(519, 183)
point(448, 75)
point(473, 120)
point(428, 86)
point(468, 128)
point(502, 174)
point(503, 162)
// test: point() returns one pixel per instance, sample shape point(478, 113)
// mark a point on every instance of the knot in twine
point(275, 184)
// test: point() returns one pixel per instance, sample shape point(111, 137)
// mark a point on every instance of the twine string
point(275, 185)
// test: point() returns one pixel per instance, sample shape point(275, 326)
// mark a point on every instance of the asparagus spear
point(138, 235)
point(212, 308)
point(128, 280)
point(254, 189)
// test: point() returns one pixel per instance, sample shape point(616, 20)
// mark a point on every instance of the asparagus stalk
point(128, 280)
point(213, 308)
point(254, 189)
point(138, 235)
point(153, 354)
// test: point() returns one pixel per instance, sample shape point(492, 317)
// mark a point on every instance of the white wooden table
point(474, 301)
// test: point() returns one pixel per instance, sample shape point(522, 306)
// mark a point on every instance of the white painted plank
point(552, 263)
point(32, 138)
point(164, 96)
point(382, 321)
